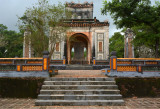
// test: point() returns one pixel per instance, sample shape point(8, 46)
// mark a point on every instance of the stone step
point(80, 97)
point(79, 82)
point(78, 102)
point(80, 79)
point(78, 87)
point(82, 92)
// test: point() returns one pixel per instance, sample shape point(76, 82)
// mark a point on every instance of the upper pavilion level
point(80, 10)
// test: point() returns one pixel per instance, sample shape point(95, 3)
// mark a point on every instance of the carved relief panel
point(100, 44)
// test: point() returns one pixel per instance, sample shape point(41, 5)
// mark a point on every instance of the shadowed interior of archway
point(79, 47)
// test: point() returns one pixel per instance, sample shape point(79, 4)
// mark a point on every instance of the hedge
point(139, 87)
point(20, 87)
point(30, 87)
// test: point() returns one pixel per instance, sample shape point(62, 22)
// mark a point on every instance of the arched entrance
point(78, 49)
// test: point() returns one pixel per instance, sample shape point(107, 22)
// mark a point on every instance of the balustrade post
point(94, 61)
point(140, 69)
point(18, 68)
point(45, 61)
point(113, 61)
point(64, 60)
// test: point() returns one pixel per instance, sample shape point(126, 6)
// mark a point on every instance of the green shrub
point(20, 87)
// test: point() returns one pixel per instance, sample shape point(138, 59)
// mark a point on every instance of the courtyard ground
point(130, 103)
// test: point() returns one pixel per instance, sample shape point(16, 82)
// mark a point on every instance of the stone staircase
point(100, 91)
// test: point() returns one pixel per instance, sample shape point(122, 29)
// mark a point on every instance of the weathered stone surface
point(79, 102)
point(133, 74)
point(24, 74)
point(79, 83)
point(83, 91)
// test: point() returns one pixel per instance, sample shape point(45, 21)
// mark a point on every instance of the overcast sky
point(10, 9)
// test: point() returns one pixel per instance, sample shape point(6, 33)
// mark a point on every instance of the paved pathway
point(131, 103)
point(80, 73)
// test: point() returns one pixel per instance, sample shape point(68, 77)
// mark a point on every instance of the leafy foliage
point(38, 21)
point(139, 15)
point(117, 44)
point(11, 43)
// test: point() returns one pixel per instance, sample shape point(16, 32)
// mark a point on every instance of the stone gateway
point(88, 36)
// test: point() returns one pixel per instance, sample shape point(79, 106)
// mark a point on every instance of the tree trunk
point(51, 53)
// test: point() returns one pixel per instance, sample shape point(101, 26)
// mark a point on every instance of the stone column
point(128, 46)
point(27, 45)
point(93, 44)
point(65, 50)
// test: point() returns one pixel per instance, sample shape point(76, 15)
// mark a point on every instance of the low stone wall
point(133, 74)
point(21, 64)
point(12, 74)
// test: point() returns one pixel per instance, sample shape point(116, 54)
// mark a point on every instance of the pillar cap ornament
point(113, 53)
point(45, 53)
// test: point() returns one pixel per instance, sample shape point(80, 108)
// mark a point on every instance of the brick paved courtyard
point(131, 103)
point(80, 73)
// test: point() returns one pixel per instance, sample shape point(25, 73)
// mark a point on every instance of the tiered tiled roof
point(79, 5)
point(84, 23)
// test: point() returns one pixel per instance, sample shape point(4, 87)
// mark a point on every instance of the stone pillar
point(27, 45)
point(65, 50)
point(113, 61)
point(45, 61)
point(68, 52)
point(128, 46)
point(93, 51)
point(93, 44)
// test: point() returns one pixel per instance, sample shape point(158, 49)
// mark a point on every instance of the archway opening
point(78, 49)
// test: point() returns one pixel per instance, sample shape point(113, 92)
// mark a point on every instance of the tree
point(139, 15)
point(44, 22)
point(11, 43)
point(117, 44)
